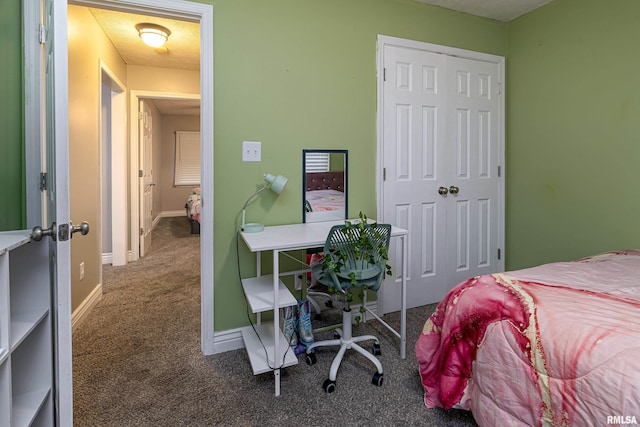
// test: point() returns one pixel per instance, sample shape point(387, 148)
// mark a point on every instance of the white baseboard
point(229, 340)
point(168, 214)
point(83, 310)
point(107, 258)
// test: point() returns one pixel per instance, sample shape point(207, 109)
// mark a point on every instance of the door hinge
point(140, 174)
point(43, 181)
point(499, 88)
point(384, 74)
point(499, 171)
point(499, 254)
point(141, 231)
point(384, 174)
point(42, 34)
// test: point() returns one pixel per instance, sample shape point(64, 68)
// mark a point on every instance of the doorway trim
point(113, 132)
point(134, 158)
point(186, 10)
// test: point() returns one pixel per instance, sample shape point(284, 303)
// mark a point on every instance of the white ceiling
point(182, 50)
point(500, 10)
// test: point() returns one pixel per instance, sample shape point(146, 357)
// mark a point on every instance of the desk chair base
point(312, 295)
point(346, 341)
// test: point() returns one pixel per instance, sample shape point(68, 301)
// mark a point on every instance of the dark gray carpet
point(137, 360)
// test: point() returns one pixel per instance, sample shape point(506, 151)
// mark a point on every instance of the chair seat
point(370, 277)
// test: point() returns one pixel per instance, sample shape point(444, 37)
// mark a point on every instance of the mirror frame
point(304, 179)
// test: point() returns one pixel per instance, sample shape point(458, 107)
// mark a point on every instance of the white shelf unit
point(26, 367)
point(259, 339)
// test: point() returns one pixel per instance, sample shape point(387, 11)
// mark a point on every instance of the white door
point(57, 188)
point(473, 175)
point(146, 176)
point(414, 152)
point(440, 152)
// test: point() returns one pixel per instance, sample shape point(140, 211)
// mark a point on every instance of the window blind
point(187, 159)
point(317, 162)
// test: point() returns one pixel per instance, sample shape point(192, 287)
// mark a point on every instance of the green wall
point(293, 74)
point(573, 131)
point(12, 197)
point(298, 74)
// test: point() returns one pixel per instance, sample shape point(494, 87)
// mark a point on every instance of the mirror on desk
point(324, 189)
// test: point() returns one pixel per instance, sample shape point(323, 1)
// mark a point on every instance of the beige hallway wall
point(88, 45)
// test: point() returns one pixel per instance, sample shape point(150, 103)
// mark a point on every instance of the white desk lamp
point(276, 184)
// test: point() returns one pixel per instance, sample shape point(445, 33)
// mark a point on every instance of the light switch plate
point(251, 151)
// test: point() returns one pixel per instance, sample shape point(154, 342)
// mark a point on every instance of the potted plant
point(359, 262)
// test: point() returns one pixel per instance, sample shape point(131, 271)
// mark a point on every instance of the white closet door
point(414, 155)
point(441, 121)
point(473, 130)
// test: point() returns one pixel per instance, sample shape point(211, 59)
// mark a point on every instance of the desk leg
point(276, 319)
point(258, 274)
point(403, 307)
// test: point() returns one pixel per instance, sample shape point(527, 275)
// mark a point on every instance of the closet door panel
point(475, 109)
point(414, 149)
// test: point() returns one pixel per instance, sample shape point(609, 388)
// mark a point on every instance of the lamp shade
point(277, 183)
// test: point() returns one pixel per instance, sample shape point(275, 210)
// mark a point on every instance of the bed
point(193, 210)
point(324, 195)
point(557, 344)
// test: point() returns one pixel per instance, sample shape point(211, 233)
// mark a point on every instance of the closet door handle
point(454, 190)
point(443, 191)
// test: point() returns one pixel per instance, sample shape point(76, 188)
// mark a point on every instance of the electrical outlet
point(251, 151)
point(82, 270)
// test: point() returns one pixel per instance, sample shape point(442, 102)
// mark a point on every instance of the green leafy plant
point(368, 248)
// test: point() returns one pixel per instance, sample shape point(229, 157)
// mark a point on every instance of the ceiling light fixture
point(152, 34)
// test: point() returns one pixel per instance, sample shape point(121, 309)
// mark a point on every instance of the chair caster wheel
point(376, 349)
point(329, 386)
point(377, 379)
point(336, 335)
point(310, 359)
point(328, 304)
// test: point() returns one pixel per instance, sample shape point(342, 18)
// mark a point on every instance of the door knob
point(454, 190)
point(83, 228)
point(38, 232)
point(443, 191)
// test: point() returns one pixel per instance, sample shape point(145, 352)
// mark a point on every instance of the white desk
point(283, 238)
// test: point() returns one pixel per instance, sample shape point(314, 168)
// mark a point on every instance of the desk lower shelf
point(261, 360)
point(259, 293)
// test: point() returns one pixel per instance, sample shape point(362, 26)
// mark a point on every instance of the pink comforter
point(325, 200)
point(557, 344)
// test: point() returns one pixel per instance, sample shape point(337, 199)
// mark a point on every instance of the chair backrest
point(356, 255)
